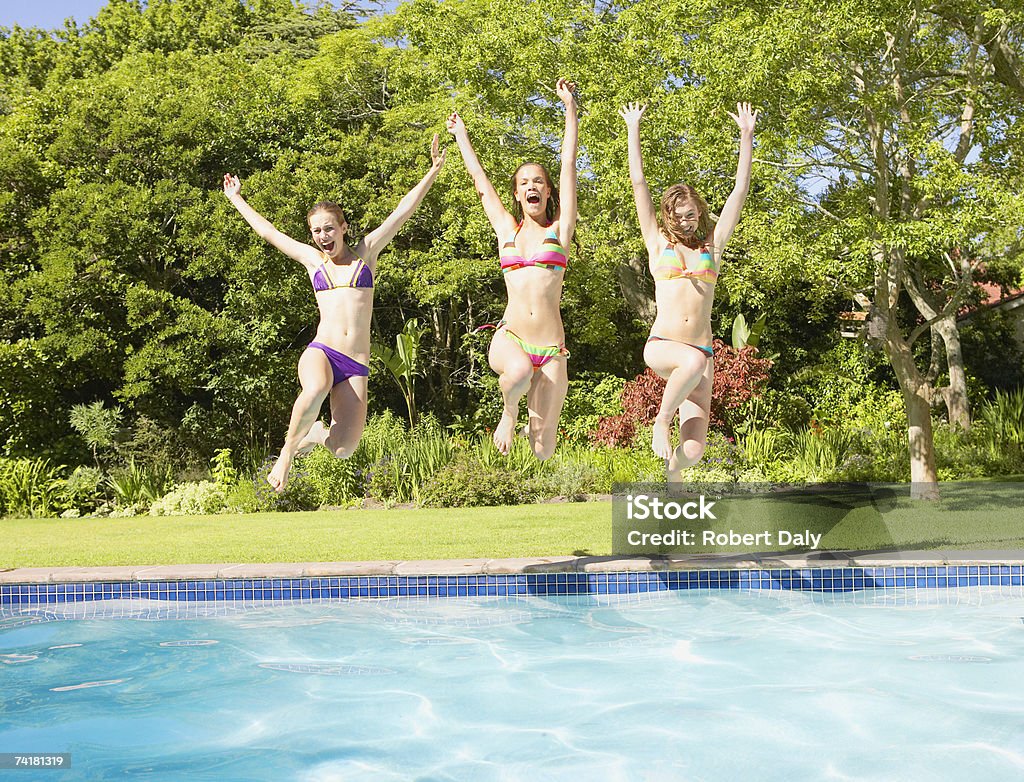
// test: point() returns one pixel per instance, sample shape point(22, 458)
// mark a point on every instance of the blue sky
point(48, 14)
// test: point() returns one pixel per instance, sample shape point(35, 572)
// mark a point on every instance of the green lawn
point(317, 536)
point(968, 517)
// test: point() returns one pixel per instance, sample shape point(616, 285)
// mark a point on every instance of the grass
point(969, 516)
point(317, 536)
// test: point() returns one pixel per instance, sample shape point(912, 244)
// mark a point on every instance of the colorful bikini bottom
point(539, 355)
point(707, 350)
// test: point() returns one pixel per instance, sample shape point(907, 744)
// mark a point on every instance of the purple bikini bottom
point(342, 366)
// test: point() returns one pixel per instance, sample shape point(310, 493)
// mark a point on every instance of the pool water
point(901, 685)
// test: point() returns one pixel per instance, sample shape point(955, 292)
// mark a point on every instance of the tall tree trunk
point(955, 394)
point(917, 397)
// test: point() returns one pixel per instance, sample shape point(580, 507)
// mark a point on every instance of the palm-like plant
point(403, 362)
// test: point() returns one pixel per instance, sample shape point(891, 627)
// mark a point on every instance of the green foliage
point(591, 396)
point(200, 498)
point(221, 468)
point(154, 293)
point(1004, 417)
point(744, 335)
point(467, 482)
point(84, 489)
point(403, 362)
point(97, 424)
point(30, 487)
point(241, 498)
point(568, 476)
point(138, 484)
point(336, 481)
point(299, 494)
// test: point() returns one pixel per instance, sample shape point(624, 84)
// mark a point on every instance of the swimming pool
point(904, 683)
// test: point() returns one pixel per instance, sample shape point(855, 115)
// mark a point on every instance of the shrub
point(336, 481)
point(641, 397)
point(739, 376)
point(465, 482)
point(221, 468)
point(241, 498)
point(385, 481)
point(641, 400)
point(30, 487)
point(572, 478)
point(83, 489)
point(139, 484)
point(191, 499)
point(616, 431)
point(97, 425)
point(299, 494)
point(592, 396)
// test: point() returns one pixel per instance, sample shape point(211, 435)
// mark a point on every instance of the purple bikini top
point(323, 280)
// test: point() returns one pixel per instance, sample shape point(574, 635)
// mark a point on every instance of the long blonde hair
point(676, 196)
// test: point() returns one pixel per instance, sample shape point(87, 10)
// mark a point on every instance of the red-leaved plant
point(739, 376)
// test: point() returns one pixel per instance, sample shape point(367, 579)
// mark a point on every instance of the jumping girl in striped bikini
point(336, 362)
point(528, 350)
point(685, 256)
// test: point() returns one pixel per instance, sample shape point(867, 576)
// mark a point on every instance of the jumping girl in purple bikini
point(336, 362)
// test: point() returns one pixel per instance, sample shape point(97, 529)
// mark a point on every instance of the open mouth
point(532, 198)
point(327, 246)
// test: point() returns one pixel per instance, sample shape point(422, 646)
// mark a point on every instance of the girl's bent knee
point(543, 449)
point(693, 452)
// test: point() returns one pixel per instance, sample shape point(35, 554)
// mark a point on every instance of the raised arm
point(377, 240)
point(567, 210)
point(730, 216)
point(502, 222)
point(631, 113)
point(303, 253)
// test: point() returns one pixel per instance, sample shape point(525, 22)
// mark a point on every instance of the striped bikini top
point(550, 256)
point(324, 280)
point(669, 266)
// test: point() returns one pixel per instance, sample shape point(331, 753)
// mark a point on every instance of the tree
point(884, 126)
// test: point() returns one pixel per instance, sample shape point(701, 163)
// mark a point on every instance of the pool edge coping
point(509, 566)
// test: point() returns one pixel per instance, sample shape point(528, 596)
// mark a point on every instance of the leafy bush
point(1003, 417)
point(241, 498)
point(97, 425)
point(191, 499)
point(739, 376)
point(400, 471)
point(30, 487)
point(615, 431)
point(149, 443)
point(336, 481)
point(465, 482)
point(83, 489)
point(299, 494)
point(139, 484)
point(592, 396)
point(221, 468)
point(641, 397)
point(572, 478)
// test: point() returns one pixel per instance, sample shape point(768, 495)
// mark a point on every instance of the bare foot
point(278, 477)
point(505, 433)
point(673, 472)
point(315, 436)
point(659, 441)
